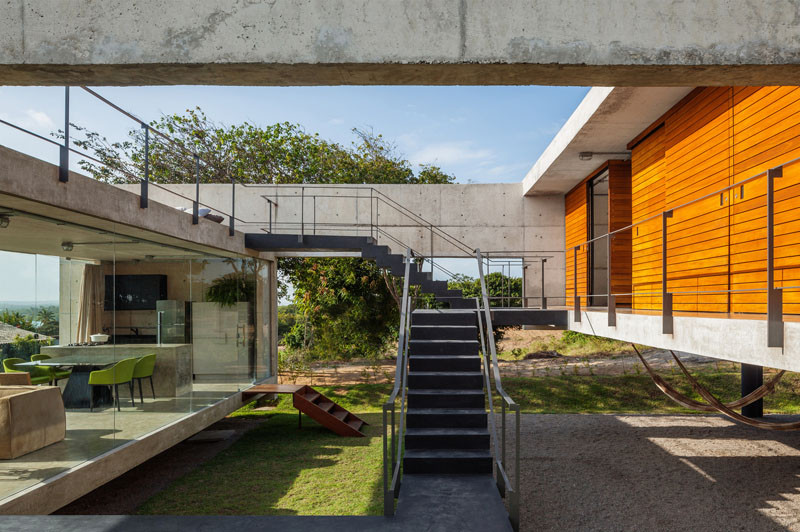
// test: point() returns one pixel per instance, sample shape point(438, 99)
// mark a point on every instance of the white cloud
point(39, 119)
point(452, 152)
point(336, 121)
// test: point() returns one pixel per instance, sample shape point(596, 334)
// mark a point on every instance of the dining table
point(78, 393)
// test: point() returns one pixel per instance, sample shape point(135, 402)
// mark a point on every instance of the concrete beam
point(738, 340)
point(432, 42)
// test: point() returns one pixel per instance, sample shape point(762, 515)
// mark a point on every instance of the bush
point(23, 347)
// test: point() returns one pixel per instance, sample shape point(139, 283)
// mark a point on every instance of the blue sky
point(478, 134)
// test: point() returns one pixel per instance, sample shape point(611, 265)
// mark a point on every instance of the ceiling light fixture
point(587, 155)
point(67, 246)
point(4, 221)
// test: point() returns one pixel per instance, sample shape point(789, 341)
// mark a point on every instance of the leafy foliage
point(497, 285)
point(230, 289)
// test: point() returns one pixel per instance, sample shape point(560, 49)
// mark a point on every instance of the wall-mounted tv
point(134, 292)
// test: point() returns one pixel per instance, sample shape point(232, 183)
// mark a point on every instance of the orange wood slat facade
point(577, 232)
point(714, 138)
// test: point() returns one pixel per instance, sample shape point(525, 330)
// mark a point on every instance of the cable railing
point(199, 166)
point(720, 247)
point(488, 348)
point(393, 440)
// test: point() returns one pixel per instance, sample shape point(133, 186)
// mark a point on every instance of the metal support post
point(752, 378)
point(63, 164)
point(774, 295)
point(302, 214)
point(612, 300)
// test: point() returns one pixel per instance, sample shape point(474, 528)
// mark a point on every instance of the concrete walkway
point(453, 503)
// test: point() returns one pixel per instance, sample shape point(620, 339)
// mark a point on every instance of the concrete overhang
point(603, 123)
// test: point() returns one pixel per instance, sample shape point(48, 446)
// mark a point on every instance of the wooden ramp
point(316, 406)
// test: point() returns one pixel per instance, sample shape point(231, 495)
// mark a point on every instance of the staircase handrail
point(502, 479)
point(374, 195)
point(391, 475)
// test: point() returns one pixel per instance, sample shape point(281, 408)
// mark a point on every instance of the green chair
point(56, 374)
point(144, 370)
point(119, 373)
point(38, 374)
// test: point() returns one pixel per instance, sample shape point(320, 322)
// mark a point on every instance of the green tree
point(17, 319)
point(346, 305)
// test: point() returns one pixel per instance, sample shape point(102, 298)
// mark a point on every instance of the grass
point(570, 344)
point(276, 469)
point(604, 394)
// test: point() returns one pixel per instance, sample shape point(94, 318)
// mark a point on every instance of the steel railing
point(660, 246)
point(508, 489)
point(393, 440)
point(198, 170)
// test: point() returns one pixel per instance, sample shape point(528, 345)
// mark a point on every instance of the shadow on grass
point(277, 469)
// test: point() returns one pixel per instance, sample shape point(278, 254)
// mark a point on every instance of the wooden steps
point(316, 406)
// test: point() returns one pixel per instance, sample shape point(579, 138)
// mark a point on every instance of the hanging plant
point(231, 289)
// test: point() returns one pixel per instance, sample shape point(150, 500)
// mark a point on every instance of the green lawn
point(276, 469)
point(603, 394)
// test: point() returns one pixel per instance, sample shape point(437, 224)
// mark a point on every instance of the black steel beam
point(752, 378)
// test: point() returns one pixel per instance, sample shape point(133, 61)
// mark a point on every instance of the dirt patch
point(124, 494)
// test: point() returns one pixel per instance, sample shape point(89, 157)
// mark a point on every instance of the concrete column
point(752, 378)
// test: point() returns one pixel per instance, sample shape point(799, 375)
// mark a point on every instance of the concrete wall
point(496, 218)
point(319, 42)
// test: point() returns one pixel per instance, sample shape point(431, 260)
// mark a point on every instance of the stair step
point(444, 438)
point(445, 363)
point(356, 424)
point(444, 332)
point(326, 406)
point(446, 398)
point(461, 380)
point(311, 396)
point(443, 317)
point(446, 418)
point(461, 303)
point(442, 347)
point(447, 461)
point(340, 414)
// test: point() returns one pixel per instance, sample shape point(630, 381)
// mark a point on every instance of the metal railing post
point(302, 213)
point(196, 203)
point(371, 223)
point(431, 251)
point(666, 296)
point(544, 299)
point(774, 295)
point(576, 298)
point(143, 199)
point(612, 300)
point(232, 226)
point(63, 160)
point(314, 217)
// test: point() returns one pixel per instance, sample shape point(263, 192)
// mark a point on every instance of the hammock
point(714, 404)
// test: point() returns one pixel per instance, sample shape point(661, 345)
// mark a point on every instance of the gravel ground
point(664, 472)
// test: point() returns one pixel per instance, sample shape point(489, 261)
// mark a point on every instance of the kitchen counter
point(172, 376)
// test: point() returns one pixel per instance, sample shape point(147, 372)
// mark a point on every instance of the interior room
point(147, 333)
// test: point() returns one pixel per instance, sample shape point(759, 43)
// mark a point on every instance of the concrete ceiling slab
point(604, 122)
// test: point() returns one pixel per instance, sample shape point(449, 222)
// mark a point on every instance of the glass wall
point(134, 333)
